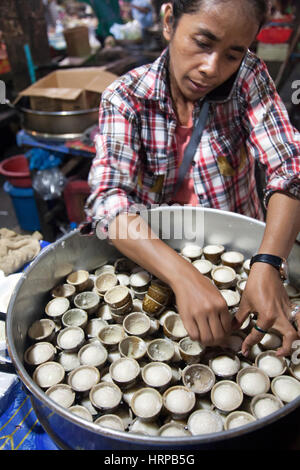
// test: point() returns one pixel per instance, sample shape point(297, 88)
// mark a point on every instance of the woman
point(146, 119)
point(141, 11)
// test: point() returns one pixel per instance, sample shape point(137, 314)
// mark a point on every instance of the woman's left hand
point(266, 296)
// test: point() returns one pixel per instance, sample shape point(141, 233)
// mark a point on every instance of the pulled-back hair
point(181, 7)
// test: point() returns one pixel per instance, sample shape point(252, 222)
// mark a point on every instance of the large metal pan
point(55, 125)
point(74, 251)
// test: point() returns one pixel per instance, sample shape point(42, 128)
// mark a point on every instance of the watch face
point(284, 270)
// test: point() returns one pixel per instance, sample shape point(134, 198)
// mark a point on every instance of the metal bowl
point(72, 252)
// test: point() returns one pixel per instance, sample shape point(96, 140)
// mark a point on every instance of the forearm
point(282, 225)
point(133, 237)
point(202, 308)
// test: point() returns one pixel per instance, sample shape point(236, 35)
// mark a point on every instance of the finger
point(191, 327)
point(217, 330)
point(256, 336)
point(289, 335)
point(287, 341)
point(206, 337)
point(227, 321)
point(243, 312)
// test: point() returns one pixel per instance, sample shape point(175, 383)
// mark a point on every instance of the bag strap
point(192, 145)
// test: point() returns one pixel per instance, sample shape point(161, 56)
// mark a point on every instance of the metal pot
point(55, 125)
point(73, 252)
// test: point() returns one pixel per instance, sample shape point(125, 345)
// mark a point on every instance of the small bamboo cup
point(80, 280)
point(88, 301)
point(213, 253)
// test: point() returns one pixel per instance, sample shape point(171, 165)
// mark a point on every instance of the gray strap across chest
point(192, 145)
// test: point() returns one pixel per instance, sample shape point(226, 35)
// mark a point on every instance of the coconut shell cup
point(104, 282)
point(38, 353)
point(241, 416)
point(117, 297)
point(161, 350)
point(198, 378)
point(261, 387)
point(151, 306)
point(137, 324)
point(233, 259)
point(232, 401)
point(263, 356)
point(151, 377)
point(264, 396)
point(120, 373)
point(190, 351)
point(75, 317)
point(100, 399)
point(213, 253)
point(143, 397)
point(111, 335)
point(80, 280)
point(179, 401)
point(173, 327)
point(88, 301)
point(83, 378)
point(224, 277)
point(133, 347)
point(64, 290)
point(233, 361)
point(57, 307)
point(42, 330)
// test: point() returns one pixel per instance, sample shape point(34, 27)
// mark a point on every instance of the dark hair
point(181, 7)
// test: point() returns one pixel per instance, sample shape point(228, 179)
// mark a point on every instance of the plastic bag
point(41, 159)
point(130, 31)
point(49, 184)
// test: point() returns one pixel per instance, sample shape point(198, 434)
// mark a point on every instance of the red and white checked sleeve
point(272, 140)
point(113, 174)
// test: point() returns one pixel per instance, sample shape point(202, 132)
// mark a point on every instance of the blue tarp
point(19, 426)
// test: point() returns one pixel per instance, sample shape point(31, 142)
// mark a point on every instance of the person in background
point(142, 11)
point(108, 13)
point(51, 12)
point(146, 120)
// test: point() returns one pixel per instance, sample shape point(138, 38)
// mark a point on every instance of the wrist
point(276, 262)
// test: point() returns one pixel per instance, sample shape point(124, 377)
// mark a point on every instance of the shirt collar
point(153, 85)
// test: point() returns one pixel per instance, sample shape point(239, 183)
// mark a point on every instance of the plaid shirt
point(136, 159)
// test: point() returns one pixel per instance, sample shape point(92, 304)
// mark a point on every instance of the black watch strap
point(278, 263)
point(275, 261)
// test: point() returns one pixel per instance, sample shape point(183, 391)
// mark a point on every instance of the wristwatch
point(279, 263)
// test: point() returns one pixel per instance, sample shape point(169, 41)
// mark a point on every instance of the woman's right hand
point(203, 309)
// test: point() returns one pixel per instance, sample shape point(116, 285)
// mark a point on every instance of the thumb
point(242, 313)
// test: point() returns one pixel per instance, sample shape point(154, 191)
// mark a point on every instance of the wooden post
point(23, 22)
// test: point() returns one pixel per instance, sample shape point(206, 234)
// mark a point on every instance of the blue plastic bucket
point(25, 206)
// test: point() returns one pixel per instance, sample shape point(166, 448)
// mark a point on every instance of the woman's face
point(207, 47)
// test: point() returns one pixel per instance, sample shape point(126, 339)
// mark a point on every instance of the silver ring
point(295, 311)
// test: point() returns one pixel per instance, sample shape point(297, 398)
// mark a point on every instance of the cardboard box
point(69, 89)
point(77, 40)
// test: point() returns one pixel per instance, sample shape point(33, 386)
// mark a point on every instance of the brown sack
point(17, 250)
